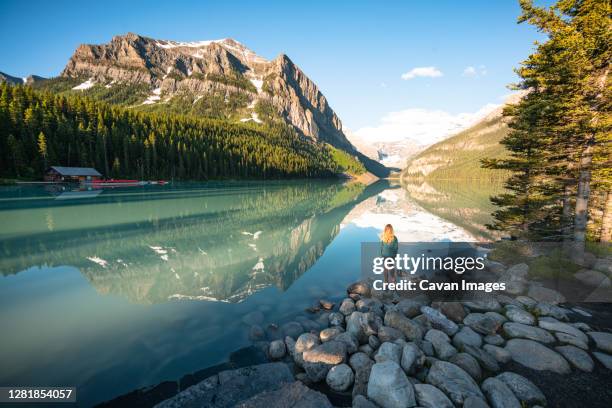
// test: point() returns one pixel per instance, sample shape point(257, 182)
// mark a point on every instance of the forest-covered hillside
point(42, 128)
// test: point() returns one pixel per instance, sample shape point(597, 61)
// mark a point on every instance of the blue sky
point(356, 51)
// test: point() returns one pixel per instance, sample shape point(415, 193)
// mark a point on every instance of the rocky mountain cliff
point(173, 69)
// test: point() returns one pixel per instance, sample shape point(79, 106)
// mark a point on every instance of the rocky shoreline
point(377, 349)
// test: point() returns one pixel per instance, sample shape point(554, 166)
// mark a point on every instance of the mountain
point(459, 156)
point(218, 78)
point(20, 81)
point(390, 153)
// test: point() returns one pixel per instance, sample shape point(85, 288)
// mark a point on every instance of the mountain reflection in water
point(160, 244)
point(130, 287)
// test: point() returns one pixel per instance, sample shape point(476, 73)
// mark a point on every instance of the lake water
point(112, 290)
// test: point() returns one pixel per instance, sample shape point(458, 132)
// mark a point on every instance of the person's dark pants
point(390, 273)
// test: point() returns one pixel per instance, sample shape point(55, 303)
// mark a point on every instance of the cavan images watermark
point(457, 271)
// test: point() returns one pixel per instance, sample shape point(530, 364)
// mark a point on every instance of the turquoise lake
point(116, 289)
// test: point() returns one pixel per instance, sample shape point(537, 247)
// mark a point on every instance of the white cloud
point(421, 126)
point(383, 84)
point(469, 71)
point(429, 72)
point(474, 72)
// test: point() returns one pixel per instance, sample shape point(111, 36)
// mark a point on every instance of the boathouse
point(71, 174)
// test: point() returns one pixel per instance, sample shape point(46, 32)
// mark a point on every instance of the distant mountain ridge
point(29, 80)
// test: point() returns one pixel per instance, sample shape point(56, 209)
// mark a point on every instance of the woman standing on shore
point(388, 249)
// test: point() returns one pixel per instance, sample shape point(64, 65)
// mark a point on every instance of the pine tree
point(559, 132)
point(42, 148)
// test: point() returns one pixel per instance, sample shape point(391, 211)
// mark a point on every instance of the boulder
point(495, 267)
point(603, 265)
point(582, 325)
point(518, 271)
point(481, 323)
point(542, 294)
point(306, 341)
point(565, 338)
point(514, 287)
point(453, 310)
point(439, 321)
point(330, 333)
point(331, 352)
point(410, 307)
point(428, 396)
point(389, 387)
point(277, 350)
point(340, 377)
point(352, 345)
point(290, 346)
point(453, 381)
point(361, 365)
point(546, 309)
point(499, 394)
point(469, 364)
point(494, 339)
point(373, 341)
point(386, 333)
point(412, 358)
point(294, 394)
point(526, 301)
point(359, 401)
point(292, 329)
point(370, 305)
point(347, 306)
point(486, 304)
point(316, 372)
point(486, 360)
point(552, 324)
point(604, 359)
point(577, 357)
point(366, 349)
point(362, 288)
point(467, 336)
point(475, 402)
point(388, 352)
point(427, 347)
point(520, 330)
point(441, 343)
point(500, 354)
point(602, 340)
point(536, 356)
point(523, 389)
point(323, 319)
point(501, 319)
point(515, 279)
point(422, 321)
point(326, 304)
point(592, 278)
point(230, 387)
point(336, 319)
point(412, 331)
point(505, 300)
point(519, 315)
point(361, 325)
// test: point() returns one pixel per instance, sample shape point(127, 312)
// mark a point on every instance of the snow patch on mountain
point(85, 85)
point(153, 98)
